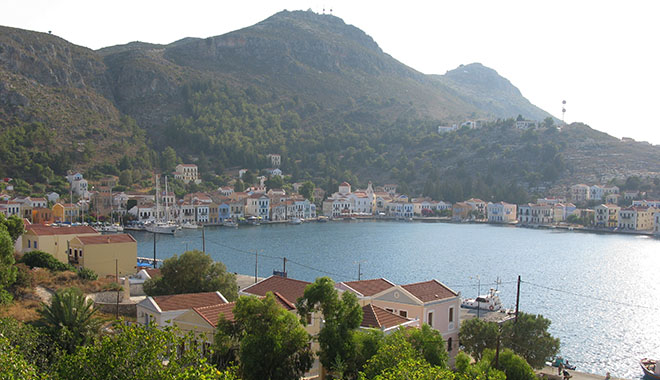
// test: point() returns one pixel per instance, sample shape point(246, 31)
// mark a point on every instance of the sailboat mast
point(157, 202)
point(167, 214)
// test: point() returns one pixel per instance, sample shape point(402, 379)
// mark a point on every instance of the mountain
point(310, 87)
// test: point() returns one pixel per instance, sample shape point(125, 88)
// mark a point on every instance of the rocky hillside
point(308, 86)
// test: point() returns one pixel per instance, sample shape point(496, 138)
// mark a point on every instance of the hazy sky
point(602, 57)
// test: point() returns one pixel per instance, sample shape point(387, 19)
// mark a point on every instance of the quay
point(550, 373)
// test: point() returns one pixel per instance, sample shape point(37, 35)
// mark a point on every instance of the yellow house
point(53, 240)
point(104, 254)
point(66, 212)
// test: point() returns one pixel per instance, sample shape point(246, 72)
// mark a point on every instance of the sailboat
point(158, 226)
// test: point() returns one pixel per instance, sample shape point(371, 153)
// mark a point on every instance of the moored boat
point(229, 223)
point(490, 301)
point(189, 225)
point(161, 228)
point(295, 221)
point(651, 368)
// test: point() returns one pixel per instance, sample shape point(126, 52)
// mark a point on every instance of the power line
point(592, 297)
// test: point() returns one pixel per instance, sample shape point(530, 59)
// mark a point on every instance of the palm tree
point(69, 319)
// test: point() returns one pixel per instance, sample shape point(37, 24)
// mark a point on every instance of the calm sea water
point(605, 299)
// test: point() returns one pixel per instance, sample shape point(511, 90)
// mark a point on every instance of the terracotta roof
point(369, 287)
point(188, 301)
point(212, 313)
point(153, 272)
point(38, 199)
point(377, 317)
point(106, 239)
point(188, 165)
point(345, 184)
point(429, 290)
point(41, 230)
point(288, 288)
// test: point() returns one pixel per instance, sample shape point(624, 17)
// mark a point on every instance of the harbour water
point(601, 292)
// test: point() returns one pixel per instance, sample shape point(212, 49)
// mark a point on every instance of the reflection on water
point(607, 320)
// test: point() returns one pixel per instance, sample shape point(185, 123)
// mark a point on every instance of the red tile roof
point(377, 317)
point(369, 287)
point(428, 291)
point(212, 313)
point(153, 272)
point(187, 301)
point(286, 287)
point(41, 230)
point(106, 239)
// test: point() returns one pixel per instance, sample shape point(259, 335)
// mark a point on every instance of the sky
point(601, 57)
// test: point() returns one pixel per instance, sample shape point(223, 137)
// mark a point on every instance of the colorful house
point(106, 255)
point(54, 240)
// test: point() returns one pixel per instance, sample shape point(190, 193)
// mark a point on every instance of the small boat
point(229, 223)
point(564, 363)
point(322, 219)
point(295, 221)
point(189, 225)
point(253, 220)
point(161, 228)
point(651, 368)
point(491, 302)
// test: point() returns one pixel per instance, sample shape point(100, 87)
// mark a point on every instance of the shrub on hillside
point(40, 259)
point(87, 274)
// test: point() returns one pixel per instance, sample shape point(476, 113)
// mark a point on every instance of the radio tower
point(563, 111)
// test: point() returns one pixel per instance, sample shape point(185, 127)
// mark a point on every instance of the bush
point(5, 297)
point(40, 259)
point(87, 274)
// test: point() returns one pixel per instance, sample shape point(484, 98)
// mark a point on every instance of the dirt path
point(44, 294)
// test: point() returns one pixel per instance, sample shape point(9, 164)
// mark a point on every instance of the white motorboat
point(295, 221)
point(229, 223)
point(161, 228)
point(490, 302)
point(112, 228)
point(651, 368)
point(189, 225)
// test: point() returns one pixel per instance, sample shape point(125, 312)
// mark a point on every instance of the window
point(403, 313)
point(429, 319)
point(390, 310)
point(35, 244)
point(449, 344)
point(28, 243)
point(451, 314)
point(309, 319)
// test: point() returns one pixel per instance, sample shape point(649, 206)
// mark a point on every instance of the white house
point(161, 310)
point(52, 197)
point(501, 212)
point(275, 160)
point(187, 173)
point(258, 205)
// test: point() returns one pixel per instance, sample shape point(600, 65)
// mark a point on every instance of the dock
point(550, 373)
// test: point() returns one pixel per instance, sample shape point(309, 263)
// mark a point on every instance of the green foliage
point(87, 274)
point(482, 370)
point(529, 338)
point(193, 272)
point(5, 297)
point(272, 342)
point(239, 186)
point(14, 366)
point(307, 190)
point(514, 366)
point(367, 343)
point(138, 352)
point(69, 319)
point(342, 317)
point(416, 369)
point(395, 349)
point(41, 259)
point(429, 343)
point(13, 225)
point(34, 346)
point(7, 268)
point(476, 335)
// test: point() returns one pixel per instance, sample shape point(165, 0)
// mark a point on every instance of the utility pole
point(256, 264)
point(359, 271)
point(284, 265)
point(117, 280)
point(497, 350)
point(517, 299)
point(154, 250)
point(203, 239)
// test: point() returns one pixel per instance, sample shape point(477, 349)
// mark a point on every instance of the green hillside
point(319, 92)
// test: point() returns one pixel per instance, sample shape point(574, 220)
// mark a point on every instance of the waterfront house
point(375, 317)
point(258, 205)
point(461, 211)
point(187, 173)
point(278, 210)
point(37, 202)
point(580, 193)
point(53, 240)
point(202, 211)
point(106, 255)
point(11, 208)
point(162, 310)
point(550, 201)
point(42, 215)
point(636, 218)
point(656, 223)
point(501, 212)
point(606, 215)
point(288, 289)
point(66, 212)
point(479, 206)
point(360, 203)
point(429, 302)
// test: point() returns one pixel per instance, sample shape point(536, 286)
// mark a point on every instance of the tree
point(367, 343)
point(13, 225)
point(514, 366)
point(193, 272)
point(69, 319)
point(126, 177)
point(274, 182)
point(342, 317)
point(249, 178)
point(272, 342)
point(429, 343)
point(168, 159)
point(33, 344)
point(139, 352)
point(548, 122)
point(476, 335)
point(479, 370)
point(239, 186)
point(7, 268)
point(41, 259)
point(529, 338)
point(14, 366)
point(307, 190)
